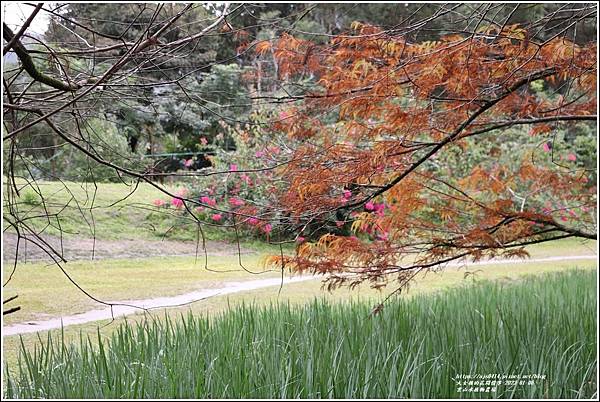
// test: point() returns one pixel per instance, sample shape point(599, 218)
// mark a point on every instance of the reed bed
point(415, 348)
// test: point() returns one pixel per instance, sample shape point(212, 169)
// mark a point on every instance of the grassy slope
point(412, 350)
point(111, 211)
point(135, 217)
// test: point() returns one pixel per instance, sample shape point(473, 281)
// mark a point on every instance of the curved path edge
point(135, 306)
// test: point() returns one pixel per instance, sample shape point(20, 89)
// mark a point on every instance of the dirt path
point(128, 307)
point(85, 248)
point(135, 306)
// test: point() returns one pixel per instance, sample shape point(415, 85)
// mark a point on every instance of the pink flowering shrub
point(238, 188)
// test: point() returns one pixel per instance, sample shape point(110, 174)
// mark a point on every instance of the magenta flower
point(177, 202)
point(546, 147)
point(252, 221)
point(236, 202)
point(369, 206)
point(216, 217)
point(203, 141)
point(233, 167)
point(259, 154)
point(572, 157)
point(347, 194)
point(300, 240)
point(188, 163)
point(158, 202)
point(267, 228)
point(208, 201)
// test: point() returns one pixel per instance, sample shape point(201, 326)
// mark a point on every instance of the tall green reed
point(413, 349)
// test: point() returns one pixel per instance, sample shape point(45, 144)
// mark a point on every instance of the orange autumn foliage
point(398, 107)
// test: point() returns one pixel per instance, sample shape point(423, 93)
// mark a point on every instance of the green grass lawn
point(39, 284)
point(45, 291)
point(110, 211)
point(415, 348)
point(563, 247)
